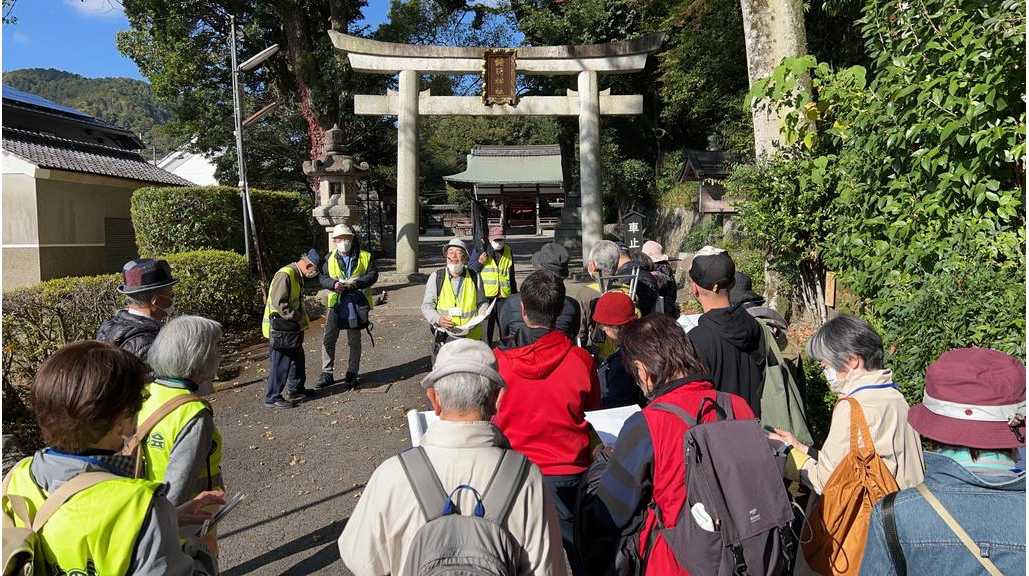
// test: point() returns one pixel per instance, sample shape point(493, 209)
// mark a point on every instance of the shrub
point(171, 220)
point(215, 284)
point(38, 320)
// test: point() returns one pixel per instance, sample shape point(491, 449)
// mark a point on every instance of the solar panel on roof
point(38, 101)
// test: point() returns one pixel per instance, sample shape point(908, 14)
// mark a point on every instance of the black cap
point(713, 269)
point(553, 258)
point(743, 290)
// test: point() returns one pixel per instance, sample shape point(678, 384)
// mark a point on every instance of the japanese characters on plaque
point(499, 77)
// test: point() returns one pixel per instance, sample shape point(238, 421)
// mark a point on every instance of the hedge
point(173, 220)
point(40, 319)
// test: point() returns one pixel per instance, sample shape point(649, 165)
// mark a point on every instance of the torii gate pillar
point(588, 103)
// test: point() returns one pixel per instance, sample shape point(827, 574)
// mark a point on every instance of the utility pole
point(237, 106)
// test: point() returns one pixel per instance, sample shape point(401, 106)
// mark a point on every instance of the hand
point(200, 508)
point(210, 542)
point(482, 258)
point(787, 438)
point(445, 322)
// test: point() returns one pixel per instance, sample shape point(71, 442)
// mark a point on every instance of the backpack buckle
point(741, 562)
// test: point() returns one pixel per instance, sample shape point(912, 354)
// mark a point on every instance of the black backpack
point(737, 515)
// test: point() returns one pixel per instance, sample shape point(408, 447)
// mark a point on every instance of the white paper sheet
point(689, 321)
point(465, 328)
point(608, 423)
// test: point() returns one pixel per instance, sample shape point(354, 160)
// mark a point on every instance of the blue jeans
point(564, 492)
point(286, 371)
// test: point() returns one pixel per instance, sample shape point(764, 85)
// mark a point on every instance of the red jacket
point(669, 467)
point(551, 383)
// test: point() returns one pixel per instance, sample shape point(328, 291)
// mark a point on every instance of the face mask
point(167, 311)
point(498, 246)
point(455, 268)
point(831, 377)
point(345, 245)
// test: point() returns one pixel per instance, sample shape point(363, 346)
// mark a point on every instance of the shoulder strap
point(508, 477)
point(424, 481)
point(441, 274)
point(958, 531)
point(858, 427)
point(725, 401)
point(66, 491)
point(672, 409)
point(19, 505)
point(154, 419)
point(900, 565)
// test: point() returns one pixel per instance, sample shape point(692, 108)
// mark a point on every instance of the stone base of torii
point(588, 103)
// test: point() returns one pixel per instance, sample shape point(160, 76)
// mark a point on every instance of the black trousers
point(286, 371)
point(564, 491)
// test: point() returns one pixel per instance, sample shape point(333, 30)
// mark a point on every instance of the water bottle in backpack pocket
point(352, 310)
point(737, 514)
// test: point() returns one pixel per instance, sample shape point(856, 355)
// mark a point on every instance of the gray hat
point(464, 356)
point(553, 258)
point(455, 243)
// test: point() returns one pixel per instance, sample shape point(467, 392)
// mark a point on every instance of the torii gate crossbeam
point(588, 103)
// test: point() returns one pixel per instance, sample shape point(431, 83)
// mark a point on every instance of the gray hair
point(187, 348)
point(845, 336)
point(465, 392)
point(604, 254)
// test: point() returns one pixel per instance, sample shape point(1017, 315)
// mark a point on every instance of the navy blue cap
point(313, 257)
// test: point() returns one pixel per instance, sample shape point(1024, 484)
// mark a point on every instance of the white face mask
point(455, 268)
point(831, 377)
point(345, 245)
point(498, 246)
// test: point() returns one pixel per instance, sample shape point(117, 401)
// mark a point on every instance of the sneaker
point(326, 380)
point(294, 396)
point(279, 404)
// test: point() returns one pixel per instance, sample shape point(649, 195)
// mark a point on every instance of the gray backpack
point(453, 544)
point(736, 517)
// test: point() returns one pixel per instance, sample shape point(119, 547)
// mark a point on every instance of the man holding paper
point(455, 303)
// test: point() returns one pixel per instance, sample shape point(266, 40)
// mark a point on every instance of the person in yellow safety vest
point(284, 323)
point(347, 268)
point(85, 398)
point(453, 297)
point(184, 449)
point(495, 266)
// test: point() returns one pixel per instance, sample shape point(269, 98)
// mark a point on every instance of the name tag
point(455, 312)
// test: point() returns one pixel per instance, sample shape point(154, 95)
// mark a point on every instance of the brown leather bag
point(133, 446)
point(839, 521)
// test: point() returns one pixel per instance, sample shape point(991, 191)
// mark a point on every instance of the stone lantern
point(337, 175)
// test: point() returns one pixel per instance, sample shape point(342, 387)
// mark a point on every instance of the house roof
point(706, 163)
point(49, 151)
point(512, 165)
point(40, 106)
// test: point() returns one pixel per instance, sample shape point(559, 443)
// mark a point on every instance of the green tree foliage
point(213, 219)
point(124, 102)
point(910, 176)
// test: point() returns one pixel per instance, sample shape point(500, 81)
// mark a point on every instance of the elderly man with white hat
point(453, 296)
point(348, 272)
point(464, 457)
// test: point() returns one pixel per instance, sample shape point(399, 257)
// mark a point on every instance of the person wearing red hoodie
point(647, 469)
point(551, 383)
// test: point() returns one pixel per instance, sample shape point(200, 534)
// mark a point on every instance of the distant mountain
point(123, 102)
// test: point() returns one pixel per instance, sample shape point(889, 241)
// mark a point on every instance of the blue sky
point(78, 36)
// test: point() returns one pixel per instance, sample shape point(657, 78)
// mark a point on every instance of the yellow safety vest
point(364, 260)
point(496, 276)
point(467, 302)
point(296, 300)
point(158, 446)
point(95, 531)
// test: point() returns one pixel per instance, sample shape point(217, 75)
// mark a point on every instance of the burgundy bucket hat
point(971, 395)
point(144, 274)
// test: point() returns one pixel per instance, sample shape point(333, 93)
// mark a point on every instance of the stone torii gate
point(498, 68)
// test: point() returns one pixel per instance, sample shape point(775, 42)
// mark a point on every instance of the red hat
point(971, 395)
point(614, 309)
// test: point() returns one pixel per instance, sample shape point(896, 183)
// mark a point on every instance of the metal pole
point(237, 106)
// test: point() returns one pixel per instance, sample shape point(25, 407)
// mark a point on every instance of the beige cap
point(464, 356)
point(342, 230)
point(455, 243)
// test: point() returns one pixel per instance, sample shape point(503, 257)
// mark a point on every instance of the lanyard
point(873, 387)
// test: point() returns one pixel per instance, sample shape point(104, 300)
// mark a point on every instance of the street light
point(250, 64)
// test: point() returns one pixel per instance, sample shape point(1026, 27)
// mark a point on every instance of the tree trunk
point(298, 47)
point(773, 30)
